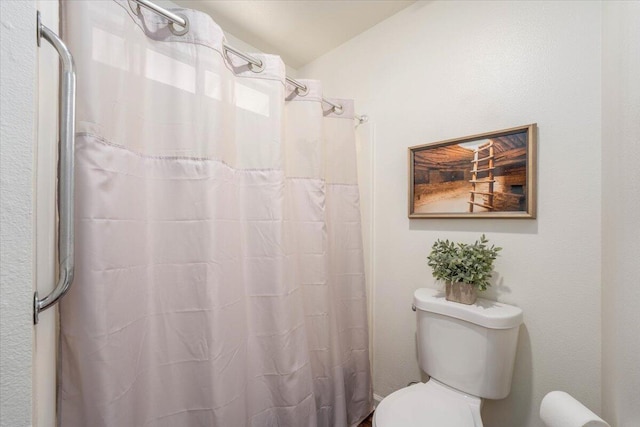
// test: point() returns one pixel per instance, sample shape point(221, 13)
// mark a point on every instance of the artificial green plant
point(462, 262)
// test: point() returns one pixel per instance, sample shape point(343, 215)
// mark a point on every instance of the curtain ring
point(337, 109)
point(177, 31)
point(302, 91)
point(257, 68)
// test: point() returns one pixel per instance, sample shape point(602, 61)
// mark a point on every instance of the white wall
point(17, 115)
point(445, 69)
point(621, 213)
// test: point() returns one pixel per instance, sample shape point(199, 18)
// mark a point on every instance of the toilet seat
point(430, 404)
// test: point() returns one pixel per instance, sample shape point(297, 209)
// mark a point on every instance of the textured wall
point(446, 69)
point(17, 112)
point(621, 213)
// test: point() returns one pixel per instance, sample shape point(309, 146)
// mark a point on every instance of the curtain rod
point(257, 64)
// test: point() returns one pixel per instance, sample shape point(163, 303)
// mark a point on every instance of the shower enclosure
point(219, 268)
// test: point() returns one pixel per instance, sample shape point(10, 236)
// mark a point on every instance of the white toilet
point(468, 351)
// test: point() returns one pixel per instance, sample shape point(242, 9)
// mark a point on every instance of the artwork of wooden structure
point(483, 175)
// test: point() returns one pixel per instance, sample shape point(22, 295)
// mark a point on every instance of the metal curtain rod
point(256, 65)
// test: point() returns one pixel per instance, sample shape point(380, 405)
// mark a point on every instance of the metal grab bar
point(66, 134)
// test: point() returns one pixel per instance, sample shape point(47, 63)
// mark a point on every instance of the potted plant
point(465, 268)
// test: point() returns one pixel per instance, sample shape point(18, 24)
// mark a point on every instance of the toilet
point(467, 350)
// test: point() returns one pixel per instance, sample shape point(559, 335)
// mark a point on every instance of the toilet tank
point(471, 348)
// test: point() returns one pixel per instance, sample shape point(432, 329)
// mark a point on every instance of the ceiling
point(297, 30)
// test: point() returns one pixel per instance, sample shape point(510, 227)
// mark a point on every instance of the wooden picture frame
point(489, 175)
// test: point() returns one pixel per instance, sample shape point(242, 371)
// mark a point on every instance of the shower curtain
point(219, 272)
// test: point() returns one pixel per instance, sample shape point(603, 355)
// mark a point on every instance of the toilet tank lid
point(486, 313)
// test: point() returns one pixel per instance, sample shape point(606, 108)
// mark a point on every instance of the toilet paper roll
point(559, 409)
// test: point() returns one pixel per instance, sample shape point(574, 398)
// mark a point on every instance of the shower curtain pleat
point(219, 277)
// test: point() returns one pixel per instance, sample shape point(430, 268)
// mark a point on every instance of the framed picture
point(490, 175)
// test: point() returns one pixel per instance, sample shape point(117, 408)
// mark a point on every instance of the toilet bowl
point(428, 404)
point(469, 353)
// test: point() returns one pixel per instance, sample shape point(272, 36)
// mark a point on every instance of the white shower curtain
point(219, 273)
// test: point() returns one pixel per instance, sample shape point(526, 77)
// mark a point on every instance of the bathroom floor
point(368, 422)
